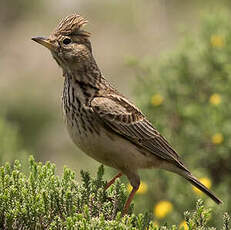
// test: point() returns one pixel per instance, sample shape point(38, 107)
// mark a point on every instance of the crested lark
point(101, 121)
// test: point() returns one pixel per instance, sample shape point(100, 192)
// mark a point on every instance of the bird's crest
point(72, 25)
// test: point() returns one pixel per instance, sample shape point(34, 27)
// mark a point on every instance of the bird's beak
point(45, 42)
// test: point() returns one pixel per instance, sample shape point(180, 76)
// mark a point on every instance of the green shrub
point(187, 95)
point(43, 200)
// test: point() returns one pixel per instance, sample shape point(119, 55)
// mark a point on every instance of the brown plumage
point(101, 121)
point(71, 25)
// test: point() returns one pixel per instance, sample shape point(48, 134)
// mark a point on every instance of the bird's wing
point(126, 120)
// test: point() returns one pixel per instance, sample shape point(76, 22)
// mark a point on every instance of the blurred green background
point(172, 58)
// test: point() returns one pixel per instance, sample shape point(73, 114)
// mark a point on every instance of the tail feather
point(201, 187)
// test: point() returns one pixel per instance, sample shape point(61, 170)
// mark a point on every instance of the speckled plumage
point(101, 121)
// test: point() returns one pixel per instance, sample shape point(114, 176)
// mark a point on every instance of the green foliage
point(10, 143)
point(43, 200)
point(30, 117)
point(187, 95)
point(198, 219)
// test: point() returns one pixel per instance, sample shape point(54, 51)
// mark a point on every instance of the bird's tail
point(193, 180)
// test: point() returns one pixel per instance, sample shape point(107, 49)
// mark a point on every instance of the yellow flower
point(157, 99)
point(142, 189)
point(183, 225)
point(217, 138)
point(217, 41)
point(215, 99)
point(162, 208)
point(205, 181)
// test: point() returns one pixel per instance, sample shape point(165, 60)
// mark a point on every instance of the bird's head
point(69, 43)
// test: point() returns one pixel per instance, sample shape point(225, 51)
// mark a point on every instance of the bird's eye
point(66, 41)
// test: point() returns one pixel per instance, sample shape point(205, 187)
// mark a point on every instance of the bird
point(100, 120)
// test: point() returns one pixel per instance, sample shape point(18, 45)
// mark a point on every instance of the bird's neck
point(83, 83)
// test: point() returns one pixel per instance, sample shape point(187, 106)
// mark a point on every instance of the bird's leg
point(135, 183)
point(112, 180)
point(129, 200)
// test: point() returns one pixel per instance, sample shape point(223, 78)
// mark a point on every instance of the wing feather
point(126, 120)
